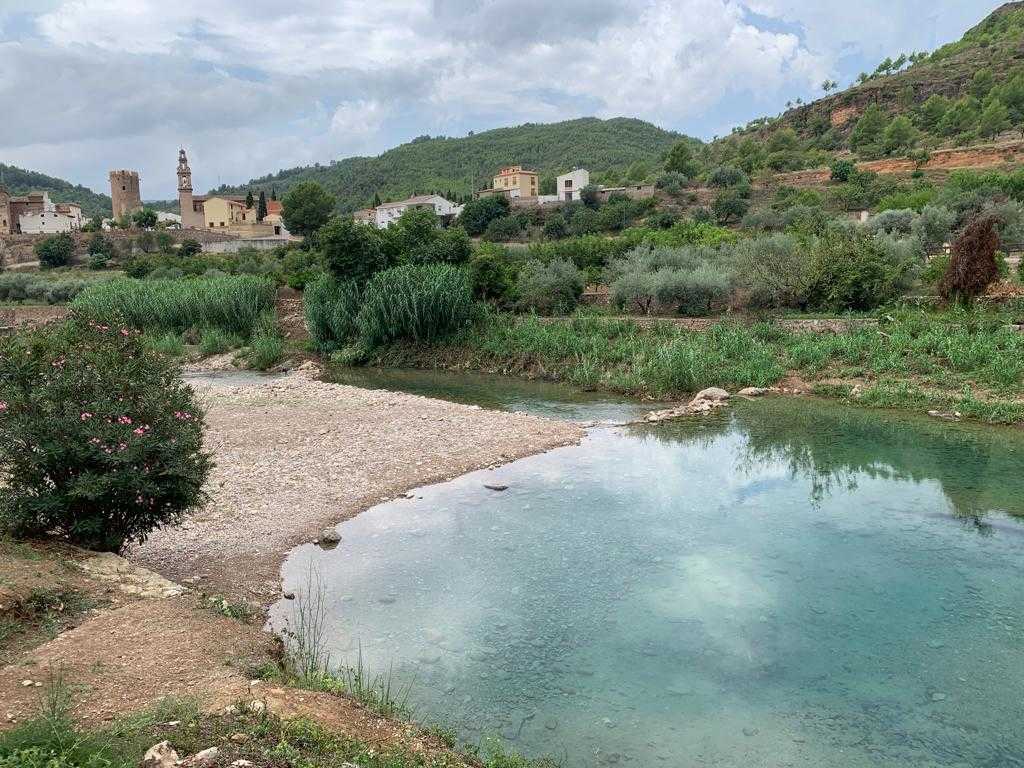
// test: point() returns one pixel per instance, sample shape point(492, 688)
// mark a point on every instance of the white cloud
point(354, 76)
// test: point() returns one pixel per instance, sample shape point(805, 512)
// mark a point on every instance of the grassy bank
point(959, 361)
point(52, 740)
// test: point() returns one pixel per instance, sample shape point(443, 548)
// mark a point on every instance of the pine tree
point(994, 120)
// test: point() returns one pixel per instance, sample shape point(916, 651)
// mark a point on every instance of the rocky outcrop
point(704, 402)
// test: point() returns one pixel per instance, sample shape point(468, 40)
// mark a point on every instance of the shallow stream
point(786, 582)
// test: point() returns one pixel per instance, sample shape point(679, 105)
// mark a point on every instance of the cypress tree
point(261, 211)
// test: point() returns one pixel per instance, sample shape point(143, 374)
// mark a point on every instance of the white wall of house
point(569, 185)
point(48, 222)
point(387, 214)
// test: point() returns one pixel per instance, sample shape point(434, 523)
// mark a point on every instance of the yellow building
point(513, 181)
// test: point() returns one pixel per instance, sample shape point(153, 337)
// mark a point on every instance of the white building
point(569, 185)
point(388, 213)
point(52, 219)
point(168, 218)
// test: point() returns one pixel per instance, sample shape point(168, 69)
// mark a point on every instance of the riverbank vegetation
point(956, 361)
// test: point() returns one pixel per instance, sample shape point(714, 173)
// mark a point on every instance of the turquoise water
point(788, 583)
point(539, 398)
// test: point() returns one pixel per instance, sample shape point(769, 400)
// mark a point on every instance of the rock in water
point(495, 487)
point(330, 536)
point(160, 755)
point(715, 394)
point(753, 392)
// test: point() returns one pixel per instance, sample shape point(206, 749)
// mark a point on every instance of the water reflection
point(780, 584)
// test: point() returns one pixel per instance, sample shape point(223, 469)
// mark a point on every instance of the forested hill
point(19, 182)
point(614, 149)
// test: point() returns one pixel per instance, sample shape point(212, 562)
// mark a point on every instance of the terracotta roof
point(274, 206)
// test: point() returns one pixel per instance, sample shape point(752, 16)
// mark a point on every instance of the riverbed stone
point(329, 536)
point(715, 394)
point(753, 391)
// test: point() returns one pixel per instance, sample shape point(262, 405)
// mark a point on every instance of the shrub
point(549, 289)
point(415, 302)
point(55, 251)
point(555, 227)
point(449, 246)
point(730, 206)
point(843, 170)
point(190, 247)
point(477, 214)
point(351, 251)
point(502, 230)
point(100, 441)
point(778, 270)
point(854, 272)
point(899, 222)
point(585, 221)
point(671, 183)
point(972, 265)
point(933, 226)
point(232, 304)
point(490, 275)
point(661, 220)
point(306, 207)
point(25, 286)
point(727, 176)
point(331, 307)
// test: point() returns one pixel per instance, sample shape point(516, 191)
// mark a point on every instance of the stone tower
point(124, 192)
point(6, 221)
point(186, 206)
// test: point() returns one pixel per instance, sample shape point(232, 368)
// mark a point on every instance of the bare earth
point(295, 455)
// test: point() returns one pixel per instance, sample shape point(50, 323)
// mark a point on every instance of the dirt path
point(295, 455)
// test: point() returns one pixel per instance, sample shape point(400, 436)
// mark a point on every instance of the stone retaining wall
point(18, 249)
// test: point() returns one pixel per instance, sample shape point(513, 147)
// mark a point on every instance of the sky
point(249, 88)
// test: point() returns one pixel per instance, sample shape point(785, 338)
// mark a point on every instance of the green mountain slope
point(614, 149)
point(19, 182)
point(902, 86)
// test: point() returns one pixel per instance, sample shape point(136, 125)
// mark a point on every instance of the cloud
point(354, 77)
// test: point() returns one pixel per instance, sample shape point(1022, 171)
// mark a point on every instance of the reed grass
point(231, 304)
point(914, 359)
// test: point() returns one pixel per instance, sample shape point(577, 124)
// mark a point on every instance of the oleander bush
point(100, 440)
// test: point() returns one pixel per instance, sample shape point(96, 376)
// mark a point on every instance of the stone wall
point(18, 249)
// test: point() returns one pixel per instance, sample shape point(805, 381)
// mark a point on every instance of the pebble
point(938, 697)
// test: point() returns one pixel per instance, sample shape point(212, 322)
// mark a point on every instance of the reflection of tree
point(834, 446)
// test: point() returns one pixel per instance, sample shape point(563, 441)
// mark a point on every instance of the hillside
point(967, 92)
point(459, 166)
point(19, 182)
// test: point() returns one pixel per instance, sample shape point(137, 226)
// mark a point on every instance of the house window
point(568, 183)
point(222, 223)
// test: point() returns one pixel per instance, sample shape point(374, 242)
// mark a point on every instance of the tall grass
point(913, 359)
point(231, 304)
point(331, 307)
point(416, 302)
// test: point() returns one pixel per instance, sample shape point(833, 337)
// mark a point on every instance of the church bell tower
point(189, 217)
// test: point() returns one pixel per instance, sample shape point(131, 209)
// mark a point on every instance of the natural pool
point(786, 583)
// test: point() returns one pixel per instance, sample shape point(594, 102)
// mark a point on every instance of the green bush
point(843, 170)
point(331, 308)
point(491, 275)
point(351, 251)
point(854, 272)
point(477, 214)
point(502, 230)
point(55, 251)
point(168, 343)
point(100, 441)
point(415, 302)
point(233, 304)
point(550, 289)
point(25, 286)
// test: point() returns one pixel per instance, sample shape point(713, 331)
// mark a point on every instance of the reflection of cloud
point(720, 589)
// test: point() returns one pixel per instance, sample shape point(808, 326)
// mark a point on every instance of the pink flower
point(139, 431)
point(124, 420)
point(3, 406)
point(86, 416)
